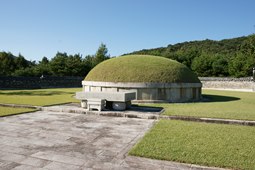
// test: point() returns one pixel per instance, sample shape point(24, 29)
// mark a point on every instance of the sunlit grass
point(4, 111)
point(219, 145)
point(39, 97)
point(221, 104)
point(199, 143)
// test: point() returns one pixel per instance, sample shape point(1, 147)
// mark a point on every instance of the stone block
point(109, 89)
point(95, 89)
point(175, 95)
point(109, 96)
point(97, 104)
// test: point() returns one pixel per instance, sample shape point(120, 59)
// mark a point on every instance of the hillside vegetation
point(230, 57)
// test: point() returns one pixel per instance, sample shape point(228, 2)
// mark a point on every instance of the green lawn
point(206, 144)
point(222, 104)
point(4, 111)
point(39, 97)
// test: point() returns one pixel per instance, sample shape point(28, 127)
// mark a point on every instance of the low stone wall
point(37, 82)
point(245, 83)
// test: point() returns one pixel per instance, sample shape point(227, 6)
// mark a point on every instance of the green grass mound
point(142, 68)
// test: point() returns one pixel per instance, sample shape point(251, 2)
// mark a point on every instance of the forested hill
point(229, 57)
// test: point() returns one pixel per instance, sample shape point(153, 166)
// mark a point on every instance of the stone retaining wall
point(245, 83)
point(150, 92)
point(37, 82)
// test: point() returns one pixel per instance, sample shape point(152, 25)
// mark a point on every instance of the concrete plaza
point(59, 140)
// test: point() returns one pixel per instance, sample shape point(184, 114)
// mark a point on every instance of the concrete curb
point(210, 120)
point(20, 106)
point(105, 113)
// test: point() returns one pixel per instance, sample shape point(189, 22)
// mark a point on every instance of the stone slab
point(109, 96)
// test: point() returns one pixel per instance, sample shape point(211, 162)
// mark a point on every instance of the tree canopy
point(61, 64)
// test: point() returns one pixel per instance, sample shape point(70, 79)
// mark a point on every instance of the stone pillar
point(84, 104)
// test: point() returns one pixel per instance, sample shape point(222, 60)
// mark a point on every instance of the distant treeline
point(226, 58)
point(61, 64)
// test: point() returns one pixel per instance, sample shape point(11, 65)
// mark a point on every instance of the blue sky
point(37, 28)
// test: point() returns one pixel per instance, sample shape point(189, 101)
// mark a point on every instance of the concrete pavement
point(59, 140)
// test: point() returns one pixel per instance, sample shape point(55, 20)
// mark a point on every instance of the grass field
point(199, 143)
point(10, 111)
point(221, 104)
point(39, 97)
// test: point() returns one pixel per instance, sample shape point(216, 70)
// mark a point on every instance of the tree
point(220, 66)
point(28, 71)
point(7, 64)
point(202, 65)
point(20, 62)
point(43, 68)
point(241, 65)
point(75, 65)
point(101, 54)
point(58, 64)
point(44, 61)
point(68, 65)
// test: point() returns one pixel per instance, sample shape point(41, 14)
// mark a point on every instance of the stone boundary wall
point(245, 83)
point(38, 83)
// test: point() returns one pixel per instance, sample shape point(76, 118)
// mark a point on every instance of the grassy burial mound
point(142, 68)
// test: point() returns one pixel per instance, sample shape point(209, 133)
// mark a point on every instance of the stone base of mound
point(150, 92)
